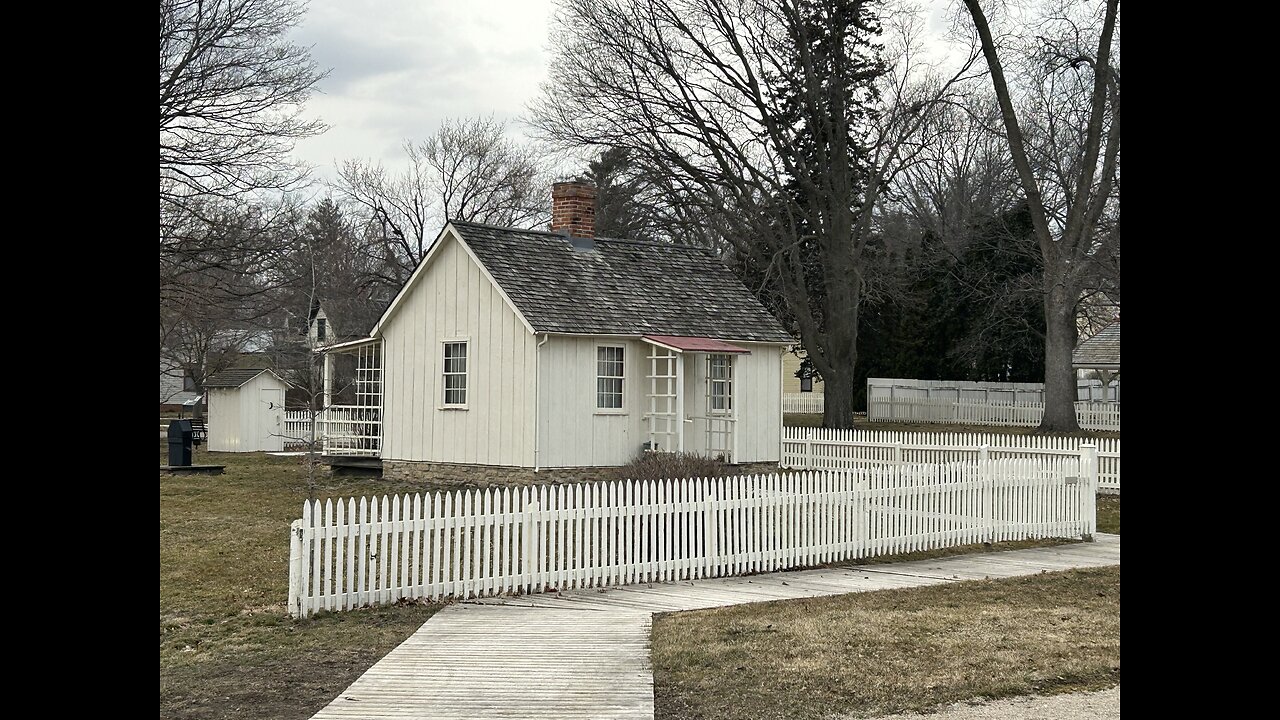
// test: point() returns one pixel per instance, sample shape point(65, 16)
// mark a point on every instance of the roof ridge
point(625, 241)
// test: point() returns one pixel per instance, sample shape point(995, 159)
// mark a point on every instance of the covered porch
point(350, 423)
point(690, 403)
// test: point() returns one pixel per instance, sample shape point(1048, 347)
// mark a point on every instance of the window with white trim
point(720, 384)
point(610, 373)
point(455, 373)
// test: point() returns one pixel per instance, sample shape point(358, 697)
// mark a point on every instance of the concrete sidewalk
point(585, 653)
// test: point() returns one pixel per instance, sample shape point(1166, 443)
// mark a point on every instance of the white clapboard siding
point(442, 545)
point(803, 402)
point(830, 449)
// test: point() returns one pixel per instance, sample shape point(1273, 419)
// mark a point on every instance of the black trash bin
point(180, 441)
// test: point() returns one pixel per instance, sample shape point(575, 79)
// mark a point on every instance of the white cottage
point(526, 352)
point(246, 410)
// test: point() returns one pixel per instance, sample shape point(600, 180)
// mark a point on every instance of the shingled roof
point(235, 377)
point(619, 287)
point(1100, 351)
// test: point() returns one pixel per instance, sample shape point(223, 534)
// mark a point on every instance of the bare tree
point(231, 94)
point(1061, 115)
point(777, 122)
point(220, 275)
point(468, 170)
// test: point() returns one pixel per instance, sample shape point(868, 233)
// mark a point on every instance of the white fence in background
point(297, 429)
point(984, 391)
point(1098, 415)
point(340, 430)
point(480, 543)
point(1092, 416)
point(803, 403)
point(829, 449)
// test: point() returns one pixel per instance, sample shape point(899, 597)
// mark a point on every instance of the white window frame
point(466, 375)
point(622, 409)
point(726, 383)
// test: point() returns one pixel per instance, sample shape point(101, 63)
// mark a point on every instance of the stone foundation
point(451, 476)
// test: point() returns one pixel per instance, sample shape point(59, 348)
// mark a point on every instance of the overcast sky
point(400, 66)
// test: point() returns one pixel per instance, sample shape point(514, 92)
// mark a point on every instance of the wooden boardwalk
point(585, 653)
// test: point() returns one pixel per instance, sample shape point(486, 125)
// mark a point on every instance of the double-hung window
point(610, 373)
point(720, 384)
point(455, 373)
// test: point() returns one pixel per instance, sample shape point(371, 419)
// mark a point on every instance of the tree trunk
point(838, 401)
point(1059, 377)
point(841, 354)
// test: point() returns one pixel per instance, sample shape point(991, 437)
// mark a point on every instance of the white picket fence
point(803, 403)
point(465, 544)
point(1098, 415)
point(1092, 416)
point(806, 448)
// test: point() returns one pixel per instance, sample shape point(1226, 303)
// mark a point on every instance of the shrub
point(671, 466)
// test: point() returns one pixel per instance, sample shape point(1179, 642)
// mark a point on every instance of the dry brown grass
point(227, 647)
point(890, 651)
point(1109, 514)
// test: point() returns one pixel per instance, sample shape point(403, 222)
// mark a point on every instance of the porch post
point(328, 380)
point(678, 361)
point(733, 408)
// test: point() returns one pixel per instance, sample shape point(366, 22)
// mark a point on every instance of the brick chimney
point(573, 208)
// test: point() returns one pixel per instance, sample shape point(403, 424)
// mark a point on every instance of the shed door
point(271, 413)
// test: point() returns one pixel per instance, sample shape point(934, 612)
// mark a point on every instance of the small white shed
point(246, 410)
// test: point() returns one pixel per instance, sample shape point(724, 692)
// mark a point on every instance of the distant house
point(333, 320)
point(180, 368)
point(510, 352)
point(791, 381)
point(1098, 358)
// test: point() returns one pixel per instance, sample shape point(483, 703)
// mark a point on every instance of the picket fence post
point(808, 448)
point(987, 482)
point(526, 539)
point(1089, 486)
point(295, 568)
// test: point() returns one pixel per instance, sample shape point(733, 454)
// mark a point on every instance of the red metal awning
point(695, 344)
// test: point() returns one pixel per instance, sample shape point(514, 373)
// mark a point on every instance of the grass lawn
point(1109, 514)
point(860, 423)
point(227, 647)
point(873, 653)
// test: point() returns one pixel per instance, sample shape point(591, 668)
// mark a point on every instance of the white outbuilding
point(246, 410)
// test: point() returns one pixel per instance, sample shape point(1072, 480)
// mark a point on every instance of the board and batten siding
point(455, 300)
point(224, 420)
point(758, 394)
point(574, 433)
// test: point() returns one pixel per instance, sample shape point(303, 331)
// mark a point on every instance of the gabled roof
point(235, 377)
point(1100, 351)
point(618, 287)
